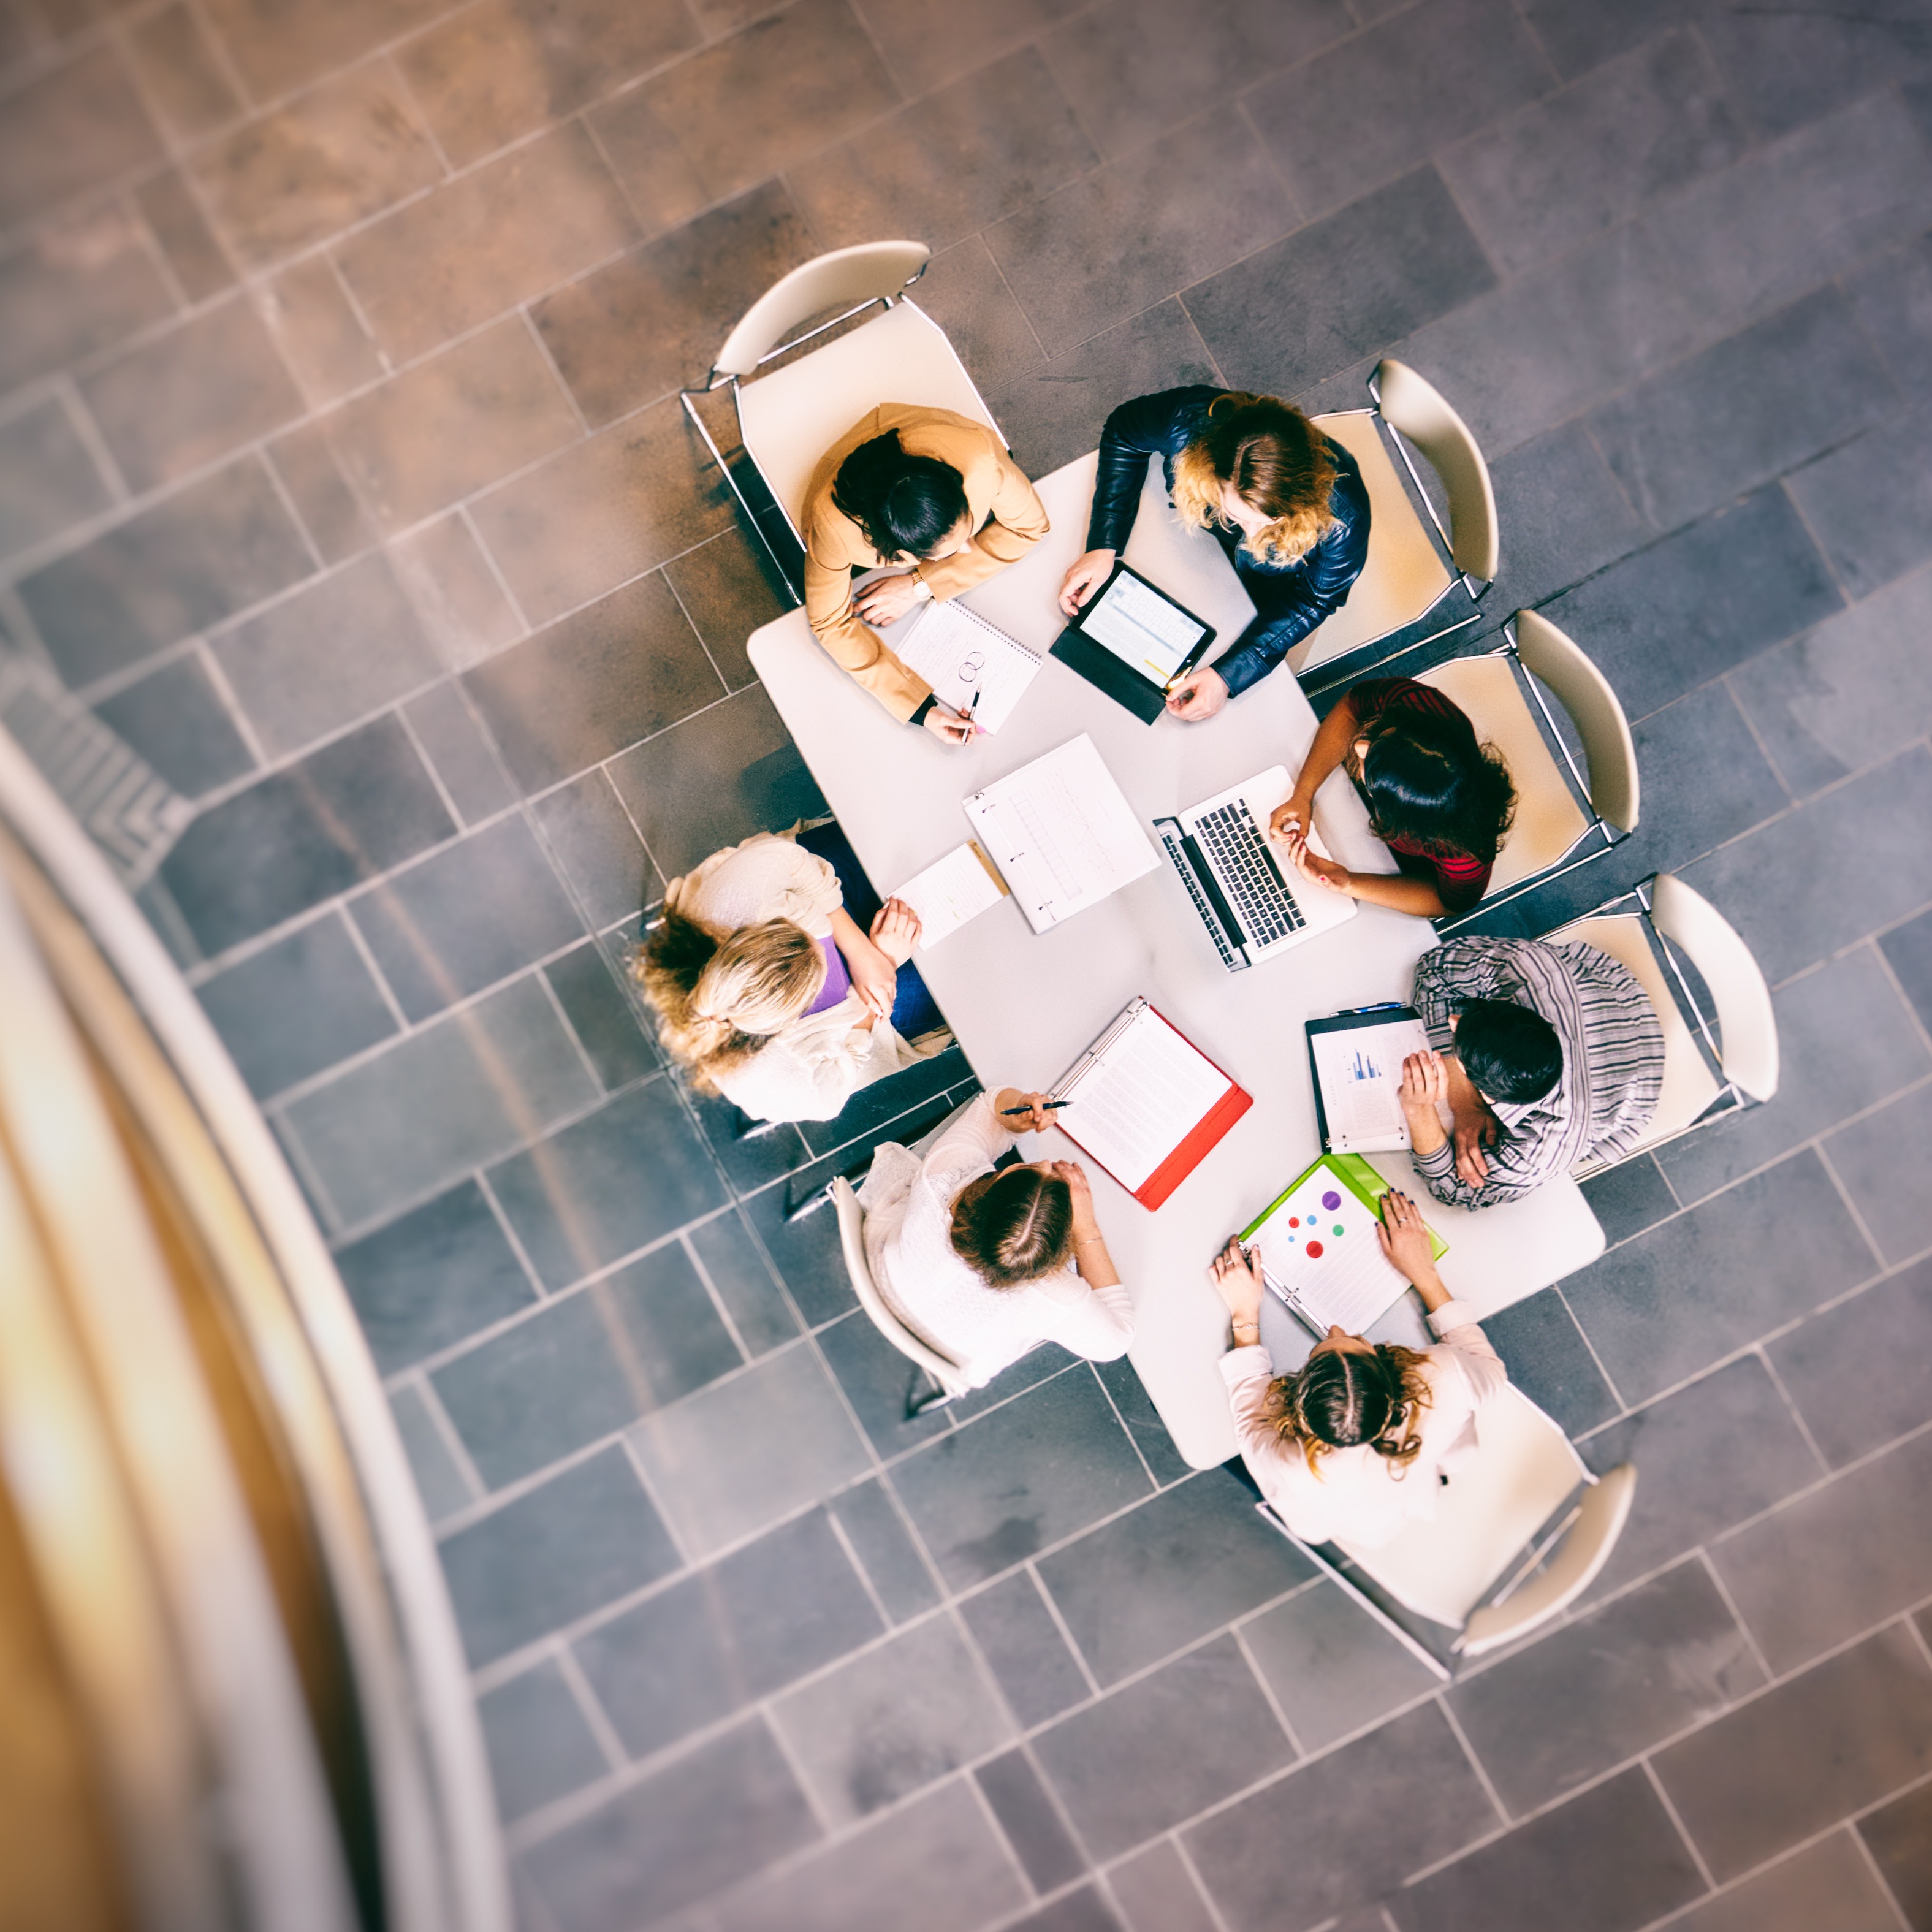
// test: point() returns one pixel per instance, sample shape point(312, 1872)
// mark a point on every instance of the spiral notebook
point(960, 655)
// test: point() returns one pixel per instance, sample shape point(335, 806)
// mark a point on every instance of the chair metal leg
point(924, 1393)
point(817, 1198)
point(731, 484)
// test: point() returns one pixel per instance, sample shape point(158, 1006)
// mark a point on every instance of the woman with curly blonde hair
point(1288, 507)
point(1357, 1441)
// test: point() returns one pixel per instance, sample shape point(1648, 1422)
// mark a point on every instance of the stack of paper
point(950, 891)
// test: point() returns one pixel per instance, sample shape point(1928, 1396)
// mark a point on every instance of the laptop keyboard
point(1233, 842)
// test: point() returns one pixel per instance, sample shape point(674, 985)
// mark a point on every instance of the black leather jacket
point(1289, 601)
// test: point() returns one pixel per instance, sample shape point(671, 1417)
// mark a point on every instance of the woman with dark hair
point(983, 1262)
point(934, 497)
point(1356, 1443)
point(1288, 506)
point(1438, 798)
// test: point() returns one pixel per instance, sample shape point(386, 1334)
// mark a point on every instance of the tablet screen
point(1139, 625)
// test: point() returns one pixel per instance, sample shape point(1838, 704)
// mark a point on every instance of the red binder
point(1186, 1153)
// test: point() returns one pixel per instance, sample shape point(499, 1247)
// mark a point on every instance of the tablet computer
point(1134, 641)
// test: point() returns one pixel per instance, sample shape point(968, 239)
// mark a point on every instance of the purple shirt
point(837, 981)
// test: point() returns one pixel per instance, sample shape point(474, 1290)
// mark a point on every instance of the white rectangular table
point(1023, 1006)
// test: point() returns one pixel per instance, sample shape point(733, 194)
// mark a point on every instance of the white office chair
point(1743, 1051)
point(942, 1370)
point(1564, 818)
point(1408, 572)
point(1470, 1566)
point(788, 419)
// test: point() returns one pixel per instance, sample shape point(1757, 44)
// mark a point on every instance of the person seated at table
point(1438, 798)
point(1288, 507)
point(983, 1263)
point(1544, 1055)
point(1358, 1442)
point(768, 989)
point(920, 487)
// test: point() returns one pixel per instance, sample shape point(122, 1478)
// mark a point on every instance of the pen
point(1045, 1104)
point(973, 707)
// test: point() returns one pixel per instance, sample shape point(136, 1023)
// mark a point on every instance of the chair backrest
point(852, 1244)
point(868, 271)
point(1582, 690)
point(1583, 1553)
point(1746, 1026)
point(1417, 410)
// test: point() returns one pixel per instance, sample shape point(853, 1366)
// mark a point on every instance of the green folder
point(1364, 1181)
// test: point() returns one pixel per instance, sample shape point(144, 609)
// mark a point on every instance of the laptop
point(1135, 642)
point(1252, 902)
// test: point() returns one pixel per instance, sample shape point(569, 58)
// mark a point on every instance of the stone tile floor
point(342, 478)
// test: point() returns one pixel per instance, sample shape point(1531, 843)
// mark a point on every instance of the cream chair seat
point(941, 1369)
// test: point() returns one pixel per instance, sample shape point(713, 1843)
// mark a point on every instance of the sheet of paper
point(1133, 1107)
point(1062, 833)
point(949, 892)
point(959, 654)
point(1145, 629)
point(1360, 1073)
point(1320, 1244)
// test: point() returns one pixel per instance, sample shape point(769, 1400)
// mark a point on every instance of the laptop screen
point(1141, 628)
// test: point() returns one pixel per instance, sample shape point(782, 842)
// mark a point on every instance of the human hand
point(1037, 1117)
point(895, 930)
point(875, 980)
point(1088, 574)
point(1403, 1236)
point(1238, 1280)
point(948, 726)
point(1202, 695)
point(1475, 1130)
point(1316, 869)
point(1296, 815)
point(1425, 1083)
point(1078, 1185)
point(887, 599)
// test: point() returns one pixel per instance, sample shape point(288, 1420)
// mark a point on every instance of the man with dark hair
point(1545, 1055)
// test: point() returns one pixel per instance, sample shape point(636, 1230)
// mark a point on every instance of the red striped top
point(1460, 879)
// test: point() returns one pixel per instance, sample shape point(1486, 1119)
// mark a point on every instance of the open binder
point(1146, 1104)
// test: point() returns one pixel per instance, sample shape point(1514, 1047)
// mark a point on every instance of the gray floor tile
point(1870, 1157)
point(458, 599)
point(1845, 1042)
point(1157, 1892)
point(1136, 1409)
point(598, 848)
point(1894, 295)
point(1186, 1561)
point(891, 1720)
point(1316, 1843)
point(1082, 1911)
point(469, 915)
point(1120, 239)
point(727, 586)
point(1690, 439)
point(1341, 288)
point(1563, 1710)
point(1134, 69)
point(439, 1273)
point(1630, 1198)
point(1595, 152)
point(47, 479)
point(1900, 1836)
point(80, 124)
point(460, 752)
point(200, 556)
point(729, 1808)
point(1835, 1561)
point(456, 1094)
point(1793, 1761)
point(1789, 68)
point(715, 778)
point(1031, 1821)
point(609, 1026)
point(1710, 1456)
point(1847, 694)
point(656, 176)
point(297, 1006)
point(1550, 1362)
point(1664, 1306)
point(743, 1281)
point(343, 814)
point(1858, 837)
point(1669, 618)
point(581, 1199)
point(1828, 1883)
point(1908, 951)
point(883, 1543)
point(939, 1850)
point(539, 1742)
point(586, 1366)
point(1608, 1861)
point(442, 1486)
point(199, 263)
point(730, 1636)
point(1042, 1468)
point(732, 1459)
point(1202, 1717)
point(805, 1253)
point(324, 502)
point(978, 149)
point(1332, 1667)
point(1870, 503)
point(556, 1553)
point(1019, 1639)
point(1383, 100)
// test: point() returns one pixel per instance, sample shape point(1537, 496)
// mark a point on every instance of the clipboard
point(1349, 1020)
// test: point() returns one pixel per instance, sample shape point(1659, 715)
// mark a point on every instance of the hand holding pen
point(1033, 1112)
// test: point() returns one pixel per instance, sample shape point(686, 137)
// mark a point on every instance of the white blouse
point(1353, 1492)
point(810, 1069)
point(908, 1204)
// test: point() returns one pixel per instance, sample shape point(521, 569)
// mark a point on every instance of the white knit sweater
point(908, 1204)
